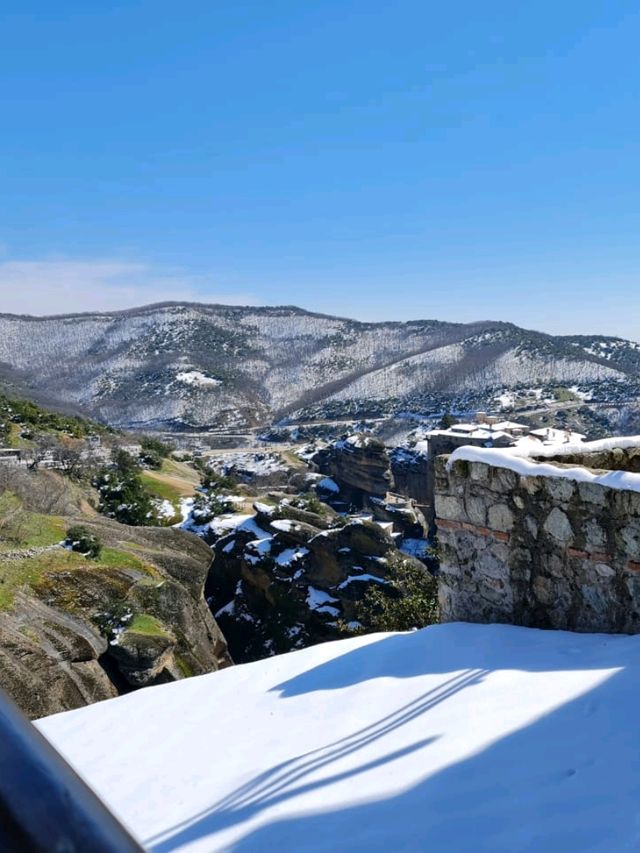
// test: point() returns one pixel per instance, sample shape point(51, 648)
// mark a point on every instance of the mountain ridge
point(178, 303)
point(178, 365)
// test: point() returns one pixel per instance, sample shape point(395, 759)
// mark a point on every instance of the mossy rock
point(143, 650)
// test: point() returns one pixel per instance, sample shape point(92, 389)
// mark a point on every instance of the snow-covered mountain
point(457, 737)
point(176, 365)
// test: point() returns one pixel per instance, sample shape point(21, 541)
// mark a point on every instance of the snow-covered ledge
point(546, 537)
point(523, 460)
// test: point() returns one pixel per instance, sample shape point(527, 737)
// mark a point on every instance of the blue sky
point(382, 160)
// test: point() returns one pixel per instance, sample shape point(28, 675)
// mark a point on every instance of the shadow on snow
point(568, 782)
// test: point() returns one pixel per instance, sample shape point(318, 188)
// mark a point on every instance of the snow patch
point(418, 548)
point(328, 485)
point(290, 555)
point(365, 578)
point(196, 377)
point(320, 601)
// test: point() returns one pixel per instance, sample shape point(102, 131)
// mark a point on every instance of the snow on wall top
point(523, 460)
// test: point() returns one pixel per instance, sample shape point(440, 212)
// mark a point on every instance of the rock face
point(289, 577)
point(145, 658)
point(359, 464)
point(80, 631)
point(539, 551)
point(49, 661)
point(411, 474)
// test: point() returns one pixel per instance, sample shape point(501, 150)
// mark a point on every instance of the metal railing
point(44, 804)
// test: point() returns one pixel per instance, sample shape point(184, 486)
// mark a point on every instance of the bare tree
point(40, 450)
point(51, 494)
point(72, 458)
point(12, 518)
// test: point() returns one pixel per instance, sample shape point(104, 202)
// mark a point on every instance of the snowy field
point(454, 738)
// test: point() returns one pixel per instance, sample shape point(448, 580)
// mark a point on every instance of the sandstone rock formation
point(359, 464)
point(290, 577)
point(411, 473)
point(77, 631)
point(49, 660)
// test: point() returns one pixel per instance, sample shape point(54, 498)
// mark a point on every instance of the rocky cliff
point(75, 630)
point(359, 464)
point(411, 472)
point(293, 576)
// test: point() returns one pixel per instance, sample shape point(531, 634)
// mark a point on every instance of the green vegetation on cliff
point(123, 495)
point(408, 600)
point(21, 419)
point(81, 625)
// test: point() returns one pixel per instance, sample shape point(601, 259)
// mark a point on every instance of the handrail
point(44, 804)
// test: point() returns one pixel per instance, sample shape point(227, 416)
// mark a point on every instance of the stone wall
point(541, 551)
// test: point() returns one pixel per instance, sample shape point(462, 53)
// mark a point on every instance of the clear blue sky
point(378, 159)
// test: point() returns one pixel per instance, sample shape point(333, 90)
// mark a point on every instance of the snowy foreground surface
point(457, 737)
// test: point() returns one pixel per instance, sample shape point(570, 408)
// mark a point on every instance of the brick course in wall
point(536, 550)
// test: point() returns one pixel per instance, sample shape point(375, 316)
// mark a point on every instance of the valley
point(310, 501)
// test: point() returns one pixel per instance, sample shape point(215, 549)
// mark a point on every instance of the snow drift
point(456, 737)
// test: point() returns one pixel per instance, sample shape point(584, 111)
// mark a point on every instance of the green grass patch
point(185, 669)
point(564, 395)
point(165, 492)
point(160, 489)
point(180, 470)
point(22, 529)
point(45, 530)
point(15, 574)
point(147, 625)
point(13, 435)
point(9, 502)
point(30, 571)
point(114, 558)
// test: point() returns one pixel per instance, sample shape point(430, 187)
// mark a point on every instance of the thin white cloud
point(69, 286)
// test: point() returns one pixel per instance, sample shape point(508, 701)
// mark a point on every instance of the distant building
point(549, 435)
point(10, 456)
point(488, 431)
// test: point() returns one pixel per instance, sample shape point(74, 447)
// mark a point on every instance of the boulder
point(144, 655)
point(293, 532)
point(405, 519)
